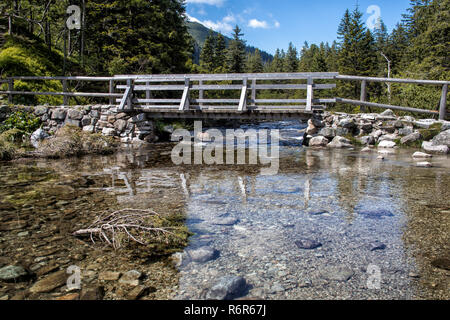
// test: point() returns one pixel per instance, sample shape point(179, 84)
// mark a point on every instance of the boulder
point(442, 139)
point(347, 123)
point(75, 114)
point(337, 273)
point(40, 110)
point(421, 155)
point(311, 128)
point(340, 142)
point(86, 121)
point(411, 138)
point(319, 141)
point(59, 114)
point(367, 140)
point(109, 132)
point(388, 137)
point(120, 125)
point(38, 136)
point(388, 113)
point(429, 147)
point(89, 129)
point(387, 144)
point(51, 282)
point(71, 122)
point(424, 164)
point(328, 133)
point(131, 278)
point(227, 288)
point(308, 244)
point(202, 255)
point(406, 131)
point(13, 274)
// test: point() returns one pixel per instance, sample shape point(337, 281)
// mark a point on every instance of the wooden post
point(243, 101)
point(443, 106)
point(148, 93)
point(309, 94)
point(253, 92)
point(111, 91)
point(201, 93)
point(10, 89)
point(65, 98)
point(184, 105)
point(130, 96)
point(363, 94)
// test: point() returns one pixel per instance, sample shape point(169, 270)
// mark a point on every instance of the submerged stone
point(307, 244)
point(375, 214)
point(227, 288)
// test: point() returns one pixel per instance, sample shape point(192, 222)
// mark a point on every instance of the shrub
point(22, 121)
point(7, 150)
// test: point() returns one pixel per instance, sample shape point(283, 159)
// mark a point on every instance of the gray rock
point(388, 137)
point(424, 124)
point(120, 125)
point(367, 140)
point(388, 113)
point(347, 123)
point(419, 155)
point(308, 244)
point(429, 147)
point(342, 131)
point(406, 131)
point(89, 129)
point(375, 214)
point(375, 246)
point(424, 164)
point(38, 136)
point(40, 110)
point(109, 132)
point(337, 273)
point(328, 133)
point(277, 288)
point(387, 144)
point(228, 221)
point(86, 121)
point(366, 127)
point(340, 142)
point(131, 278)
point(445, 125)
point(411, 138)
point(75, 114)
point(442, 139)
point(95, 114)
point(227, 288)
point(59, 114)
point(71, 122)
point(139, 118)
point(13, 274)
point(202, 255)
point(318, 142)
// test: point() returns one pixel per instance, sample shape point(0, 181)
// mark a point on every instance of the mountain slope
point(199, 32)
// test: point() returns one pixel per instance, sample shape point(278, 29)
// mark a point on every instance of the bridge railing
point(442, 112)
point(136, 91)
point(247, 85)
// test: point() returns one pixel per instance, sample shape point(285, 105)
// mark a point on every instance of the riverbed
point(379, 225)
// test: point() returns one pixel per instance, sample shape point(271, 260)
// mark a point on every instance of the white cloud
point(254, 23)
point(224, 26)
point(217, 3)
point(277, 24)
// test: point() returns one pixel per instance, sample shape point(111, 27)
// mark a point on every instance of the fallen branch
point(140, 226)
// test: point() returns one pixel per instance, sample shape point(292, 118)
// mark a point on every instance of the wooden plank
point(201, 93)
point(243, 99)
point(81, 78)
point(259, 101)
point(69, 94)
point(293, 86)
point(443, 104)
point(253, 91)
point(202, 101)
point(230, 76)
point(394, 80)
point(125, 98)
point(385, 106)
point(184, 105)
point(309, 94)
point(111, 91)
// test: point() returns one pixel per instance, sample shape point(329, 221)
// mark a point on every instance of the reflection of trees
point(426, 235)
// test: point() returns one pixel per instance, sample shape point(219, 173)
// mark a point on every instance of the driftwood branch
point(140, 226)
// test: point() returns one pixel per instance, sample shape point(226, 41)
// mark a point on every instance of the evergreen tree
point(254, 62)
point(236, 52)
point(207, 56)
point(291, 59)
point(276, 65)
point(220, 54)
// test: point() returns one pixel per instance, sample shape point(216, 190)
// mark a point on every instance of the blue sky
point(272, 24)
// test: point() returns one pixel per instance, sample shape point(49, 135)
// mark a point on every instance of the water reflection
point(349, 202)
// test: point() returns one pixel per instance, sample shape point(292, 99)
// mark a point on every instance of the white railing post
point(443, 105)
point(184, 105)
point(309, 94)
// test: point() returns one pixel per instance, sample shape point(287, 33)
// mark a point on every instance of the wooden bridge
point(186, 96)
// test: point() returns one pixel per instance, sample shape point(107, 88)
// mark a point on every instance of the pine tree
point(254, 62)
point(207, 56)
point(220, 54)
point(276, 65)
point(236, 52)
point(291, 59)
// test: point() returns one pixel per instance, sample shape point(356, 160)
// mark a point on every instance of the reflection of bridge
point(226, 96)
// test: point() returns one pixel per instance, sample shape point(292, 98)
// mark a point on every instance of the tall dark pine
point(220, 54)
point(236, 52)
point(207, 58)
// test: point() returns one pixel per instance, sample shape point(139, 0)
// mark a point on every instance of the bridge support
point(243, 99)
point(309, 94)
point(184, 105)
point(443, 105)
